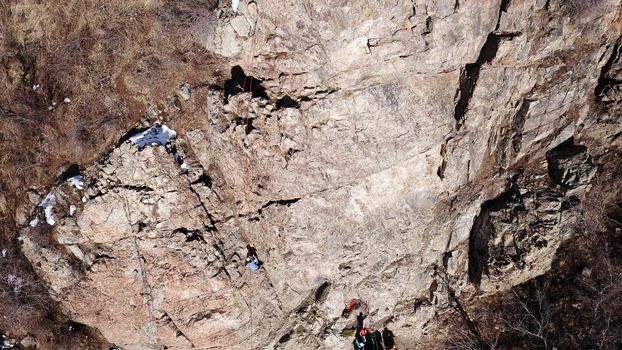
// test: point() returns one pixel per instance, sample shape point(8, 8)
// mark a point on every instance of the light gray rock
point(29, 342)
point(184, 91)
point(413, 148)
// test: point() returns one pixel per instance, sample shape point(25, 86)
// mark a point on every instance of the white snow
point(72, 209)
point(184, 167)
point(77, 181)
point(48, 207)
point(7, 343)
point(154, 136)
point(4, 253)
point(36, 87)
point(66, 100)
point(234, 5)
point(83, 199)
point(34, 222)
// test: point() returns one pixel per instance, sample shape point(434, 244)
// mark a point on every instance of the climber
point(359, 343)
point(359, 323)
point(359, 334)
point(369, 338)
point(351, 306)
point(387, 337)
point(378, 340)
point(252, 261)
point(251, 252)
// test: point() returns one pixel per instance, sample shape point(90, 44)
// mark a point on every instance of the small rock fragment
point(29, 341)
point(184, 91)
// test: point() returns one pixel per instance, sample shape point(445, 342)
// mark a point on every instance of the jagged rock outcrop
point(361, 148)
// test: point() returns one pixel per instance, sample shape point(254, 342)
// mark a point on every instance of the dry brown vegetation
point(577, 304)
point(27, 309)
point(113, 59)
point(116, 60)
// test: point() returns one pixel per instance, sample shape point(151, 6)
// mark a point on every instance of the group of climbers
point(367, 338)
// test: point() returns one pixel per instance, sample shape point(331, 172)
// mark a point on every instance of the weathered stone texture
point(394, 139)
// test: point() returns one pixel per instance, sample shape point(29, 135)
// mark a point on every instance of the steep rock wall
point(380, 145)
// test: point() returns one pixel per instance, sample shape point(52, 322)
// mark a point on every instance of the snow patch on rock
point(34, 222)
point(156, 135)
point(7, 343)
point(77, 181)
point(48, 207)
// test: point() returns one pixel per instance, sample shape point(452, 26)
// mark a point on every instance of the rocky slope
point(387, 151)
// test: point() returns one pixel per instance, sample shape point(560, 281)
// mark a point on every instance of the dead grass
point(27, 309)
point(112, 58)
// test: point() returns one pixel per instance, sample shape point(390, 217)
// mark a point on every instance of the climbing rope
point(252, 55)
point(248, 80)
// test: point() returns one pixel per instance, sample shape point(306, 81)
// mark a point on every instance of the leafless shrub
point(27, 308)
point(577, 304)
point(24, 298)
point(530, 314)
point(462, 339)
point(466, 333)
point(597, 302)
point(522, 317)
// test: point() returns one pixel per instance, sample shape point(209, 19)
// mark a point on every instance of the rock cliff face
point(369, 149)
